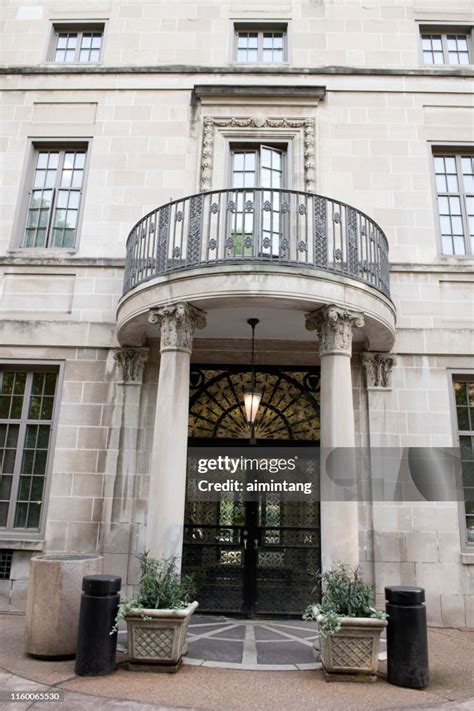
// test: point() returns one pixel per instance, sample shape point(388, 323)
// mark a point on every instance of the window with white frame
point(27, 405)
point(55, 197)
point(258, 166)
point(464, 396)
point(260, 43)
point(77, 43)
point(446, 45)
point(454, 175)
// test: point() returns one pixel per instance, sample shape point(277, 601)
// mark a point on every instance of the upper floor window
point(55, 198)
point(446, 45)
point(464, 396)
point(257, 166)
point(77, 43)
point(454, 173)
point(27, 402)
point(260, 43)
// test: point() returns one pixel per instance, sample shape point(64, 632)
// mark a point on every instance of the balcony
point(286, 227)
point(260, 243)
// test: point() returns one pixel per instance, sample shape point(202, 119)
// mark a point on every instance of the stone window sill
point(23, 544)
point(467, 558)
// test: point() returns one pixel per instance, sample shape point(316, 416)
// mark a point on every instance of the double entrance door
point(252, 557)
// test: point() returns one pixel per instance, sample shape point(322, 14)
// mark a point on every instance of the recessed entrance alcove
point(253, 558)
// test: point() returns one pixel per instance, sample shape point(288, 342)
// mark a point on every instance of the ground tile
point(217, 651)
point(282, 653)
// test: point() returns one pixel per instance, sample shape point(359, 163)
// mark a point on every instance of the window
point(77, 43)
point(26, 418)
point(6, 558)
point(454, 174)
point(257, 166)
point(446, 46)
point(55, 198)
point(464, 395)
point(260, 43)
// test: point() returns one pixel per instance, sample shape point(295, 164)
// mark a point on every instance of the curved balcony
point(258, 226)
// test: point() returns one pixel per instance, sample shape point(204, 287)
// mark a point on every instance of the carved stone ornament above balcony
point(378, 370)
point(334, 326)
point(178, 322)
point(131, 363)
point(256, 121)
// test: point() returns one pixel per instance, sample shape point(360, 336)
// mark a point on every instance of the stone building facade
point(236, 117)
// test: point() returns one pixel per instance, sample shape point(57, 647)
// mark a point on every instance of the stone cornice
point(239, 92)
point(462, 266)
point(280, 71)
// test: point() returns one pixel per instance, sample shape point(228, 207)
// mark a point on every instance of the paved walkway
point(271, 645)
point(200, 688)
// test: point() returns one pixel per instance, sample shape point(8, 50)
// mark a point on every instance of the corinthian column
point(339, 519)
point(170, 439)
point(121, 464)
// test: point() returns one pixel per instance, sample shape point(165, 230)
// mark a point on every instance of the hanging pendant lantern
point(252, 397)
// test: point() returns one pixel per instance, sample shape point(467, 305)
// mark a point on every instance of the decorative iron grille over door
point(253, 557)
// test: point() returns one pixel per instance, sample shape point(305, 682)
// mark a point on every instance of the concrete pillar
point(339, 519)
point(167, 495)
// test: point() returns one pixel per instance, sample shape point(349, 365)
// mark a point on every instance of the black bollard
point(407, 638)
point(96, 647)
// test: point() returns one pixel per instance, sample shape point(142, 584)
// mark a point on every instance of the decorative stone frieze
point(178, 322)
point(334, 327)
point(258, 122)
point(131, 363)
point(378, 369)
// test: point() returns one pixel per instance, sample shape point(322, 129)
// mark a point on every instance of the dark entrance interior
point(253, 557)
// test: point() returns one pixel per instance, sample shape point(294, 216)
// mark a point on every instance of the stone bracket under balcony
point(257, 247)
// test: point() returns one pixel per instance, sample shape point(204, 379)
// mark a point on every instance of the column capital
point(378, 369)
point(178, 322)
point(334, 327)
point(131, 362)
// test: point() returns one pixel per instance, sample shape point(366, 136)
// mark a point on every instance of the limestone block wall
point(322, 33)
point(374, 136)
point(420, 543)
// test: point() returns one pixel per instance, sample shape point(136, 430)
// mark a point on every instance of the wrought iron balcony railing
point(257, 226)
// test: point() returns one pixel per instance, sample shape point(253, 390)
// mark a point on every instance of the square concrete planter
point(157, 638)
point(352, 654)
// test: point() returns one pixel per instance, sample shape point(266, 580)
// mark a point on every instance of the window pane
point(466, 443)
point(66, 43)
point(458, 52)
point(463, 418)
point(460, 392)
point(26, 443)
point(467, 163)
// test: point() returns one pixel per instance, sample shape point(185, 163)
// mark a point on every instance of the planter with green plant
point(158, 617)
point(348, 624)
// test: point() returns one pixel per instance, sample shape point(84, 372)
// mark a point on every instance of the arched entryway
point(253, 557)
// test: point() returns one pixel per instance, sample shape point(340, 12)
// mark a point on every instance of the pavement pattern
point(200, 688)
point(265, 645)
